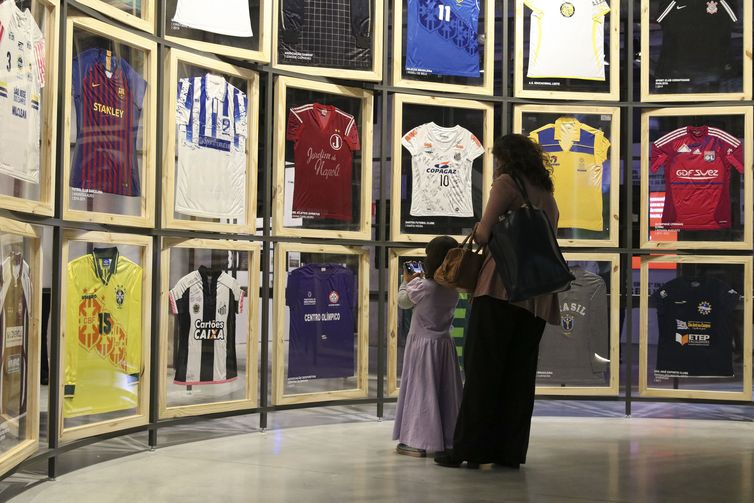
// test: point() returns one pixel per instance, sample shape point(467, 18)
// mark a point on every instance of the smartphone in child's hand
point(413, 267)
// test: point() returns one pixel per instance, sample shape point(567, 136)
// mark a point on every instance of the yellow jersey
point(103, 358)
point(577, 153)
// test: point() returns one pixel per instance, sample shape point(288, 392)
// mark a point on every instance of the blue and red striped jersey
point(108, 110)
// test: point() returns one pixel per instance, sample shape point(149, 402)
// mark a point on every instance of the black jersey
point(696, 38)
point(694, 320)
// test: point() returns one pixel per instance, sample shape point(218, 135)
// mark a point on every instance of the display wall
point(227, 195)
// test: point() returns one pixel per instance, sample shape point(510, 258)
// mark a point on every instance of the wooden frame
point(252, 332)
point(644, 388)
point(25, 448)
point(279, 396)
point(613, 71)
point(748, 115)
point(365, 133)
point(145, 22)
point(488, 62)
point(149, 118)
point(399, 100)
point(613, 387)
point(262, 55)
point(392, 314)
point(173, 58)
point(745, 93)
point(615, 150)
point(48, 120)
point(142, 415)
point(375, 74)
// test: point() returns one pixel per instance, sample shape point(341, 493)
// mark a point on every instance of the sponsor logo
point(681, 325)
point(336, 142)
point(681, 339)
point(704, 308)
point(322, 317)
point(209, 330)
point(679, 7)
point(567, 9)
point(334, 298)
point(698, 174)
point(711, 7)
point(323, 337)
point(309, 300)
point(95, 84)
point(108, 110)
point(442, 168)
point(684, 148)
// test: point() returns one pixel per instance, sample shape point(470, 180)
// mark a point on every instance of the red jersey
point(323, 155)
point(697, 163)
point(108, 110)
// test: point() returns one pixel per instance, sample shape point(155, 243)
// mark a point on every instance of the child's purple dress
point(431, 388)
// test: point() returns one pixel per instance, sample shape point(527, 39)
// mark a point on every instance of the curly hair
point(436, 251)
point(518, 154)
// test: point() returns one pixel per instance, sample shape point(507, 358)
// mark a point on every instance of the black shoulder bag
point(526, 252)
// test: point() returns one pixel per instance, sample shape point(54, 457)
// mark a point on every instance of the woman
point(502, 342)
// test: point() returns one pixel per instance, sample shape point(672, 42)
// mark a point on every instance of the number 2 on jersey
point(444, 14)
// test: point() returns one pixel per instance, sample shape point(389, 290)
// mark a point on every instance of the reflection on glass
point(232, 24)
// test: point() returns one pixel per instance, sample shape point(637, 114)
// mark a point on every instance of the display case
point(105, 333)
point(137, 13)
point(589, 68)
point(237, 28)
point(21, 305)
point(581, 356)
point(695, 327)
point(583, 145)
point(110, 107)
point(323, 160)
point(329, 38)
point(696, 51)
point(320, 342)
point(209, 343)
point(442, 166)
point(209, 172)
point(28, 106)
point(696, 178)
point(444, 46)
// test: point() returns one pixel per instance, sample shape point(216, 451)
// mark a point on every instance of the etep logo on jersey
point(209, 330)
point(692, 339)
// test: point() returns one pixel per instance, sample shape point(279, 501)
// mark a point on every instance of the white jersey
point(442, 160)
point(566, 39)
point(22, 76)
point(212, 125)
point(226, 17)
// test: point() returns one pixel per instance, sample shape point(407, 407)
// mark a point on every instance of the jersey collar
point(105, 263)
point(571, 129)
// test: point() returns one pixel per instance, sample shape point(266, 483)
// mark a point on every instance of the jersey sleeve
point(475, 147)
point(734, 156)
point(137, 85)
point(71, 333)
point(295, 125)
point(601, 147)
point(662, 150)
point(599, 9)
point(536, 5)
point(184, 101)
point(412, 140)
point(599, 336)
point(76, 70)
point(352, 134)
point(241, 118)
point(730, 9)
point(290, 290)
point(665, 9)
point(361, 22)
point(176, 294)
point(291, 19)
point(40, 63)
point(133, 336)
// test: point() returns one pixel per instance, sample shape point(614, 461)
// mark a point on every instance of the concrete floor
point(570, 460)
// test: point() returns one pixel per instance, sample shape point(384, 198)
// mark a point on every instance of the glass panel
point(234, 24)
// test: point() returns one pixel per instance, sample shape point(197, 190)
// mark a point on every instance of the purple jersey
point(322, 324)
point(108, 109)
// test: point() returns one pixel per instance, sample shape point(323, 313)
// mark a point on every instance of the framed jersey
point(695, 190)
point(444, 45)
point(580, 356)
point(583, 145)
point(20, 312)
point(320, 348)
point(695, 327)
point(323, 168)
point(140, 14)
point(442, 166)
point(210, 154)
point(329, 38)
point(105, 315)
point(28, 99)
point(567, 49)
point(110, 111)
point(209, 339)
point(236, 28)
point(696, 50)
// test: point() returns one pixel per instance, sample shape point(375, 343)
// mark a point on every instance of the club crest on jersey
point(704, 308)
point(121, 92)
point(195, 308)
point(334, 297)
point(336, 142)
point(223, 309)
point(566, 323)
point(120, 296)
point(457, 156)
point(711, 7)
point(709, 155)
point(567, 9)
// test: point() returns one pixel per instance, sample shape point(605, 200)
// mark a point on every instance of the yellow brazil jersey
point(577, 152)
point(103, 333)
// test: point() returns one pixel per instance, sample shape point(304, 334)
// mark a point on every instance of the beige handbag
point(461, 266)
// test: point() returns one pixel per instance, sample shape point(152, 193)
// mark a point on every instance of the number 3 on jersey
point(444, 12)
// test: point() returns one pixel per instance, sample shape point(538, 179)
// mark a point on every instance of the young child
point(431, 381)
